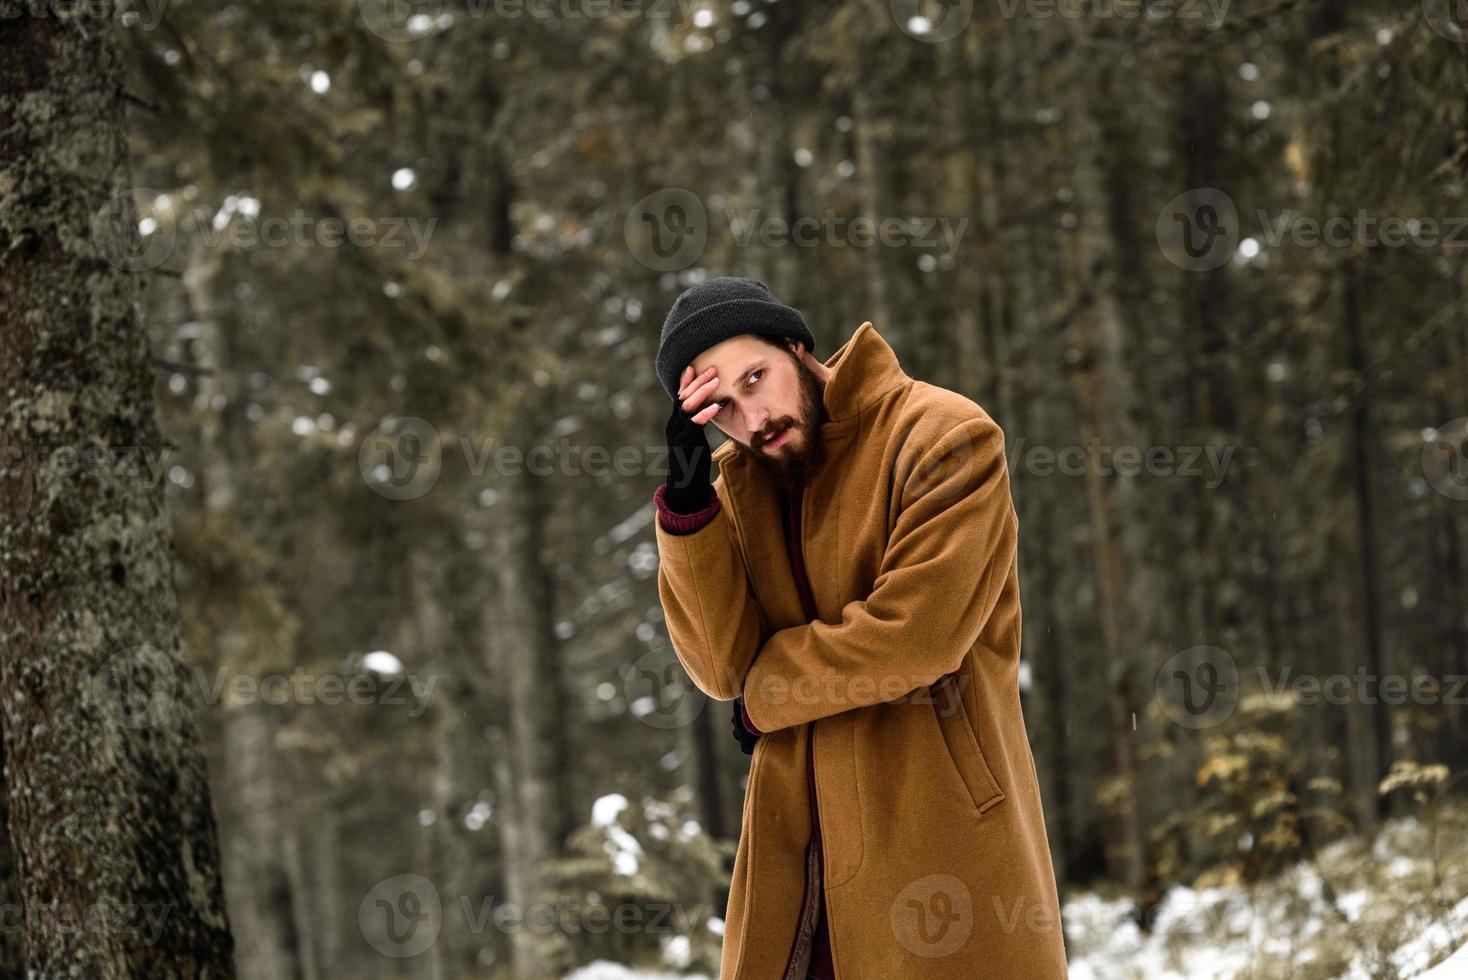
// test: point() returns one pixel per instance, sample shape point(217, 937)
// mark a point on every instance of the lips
point(777, 440)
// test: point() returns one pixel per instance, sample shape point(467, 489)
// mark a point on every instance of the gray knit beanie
point(715, 310)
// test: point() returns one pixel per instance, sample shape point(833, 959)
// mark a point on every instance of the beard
point(795, 467)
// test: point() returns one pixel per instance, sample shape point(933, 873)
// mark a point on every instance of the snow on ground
point(1455, 967)
point(602, 970)
point(1360, 912)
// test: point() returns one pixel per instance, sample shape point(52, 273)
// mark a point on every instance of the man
point(849, 581)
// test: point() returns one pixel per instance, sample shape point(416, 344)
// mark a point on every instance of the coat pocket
point(964, 750)
point(839, 797)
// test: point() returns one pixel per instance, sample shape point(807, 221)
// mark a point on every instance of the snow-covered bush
point(643, 885)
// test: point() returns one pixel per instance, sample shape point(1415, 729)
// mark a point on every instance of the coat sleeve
point(946, 561)
point(713, 619)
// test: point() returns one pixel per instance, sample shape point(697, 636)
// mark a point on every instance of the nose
point(755, 418)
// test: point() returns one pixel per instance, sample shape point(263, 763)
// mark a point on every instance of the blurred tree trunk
point(1369, 724)
point(871, 134)
point(431, 646)
point(256, 880)
point(530, 747)
point(1102, 390)
point(1204, 348)
point(775, 181)
point(257, 885)
point(108, 801)
point(313, 864)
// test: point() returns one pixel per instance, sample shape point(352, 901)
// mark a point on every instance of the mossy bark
point(109, 810)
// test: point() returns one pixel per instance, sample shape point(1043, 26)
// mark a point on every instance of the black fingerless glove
point(742, 735)
point(690, 488)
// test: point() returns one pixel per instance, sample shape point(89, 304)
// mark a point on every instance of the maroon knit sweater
point(821, 967)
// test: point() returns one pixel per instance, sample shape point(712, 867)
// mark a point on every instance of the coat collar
point(863, 371)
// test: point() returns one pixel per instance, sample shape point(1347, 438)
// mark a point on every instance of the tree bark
point(109, 806)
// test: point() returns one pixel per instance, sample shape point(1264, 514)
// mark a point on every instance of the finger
point(707, 413)
point(698, 394)
point(689, 382)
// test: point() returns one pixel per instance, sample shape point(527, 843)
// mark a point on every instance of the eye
point(752, 376)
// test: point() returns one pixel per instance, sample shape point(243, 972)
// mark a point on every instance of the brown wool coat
point(936, 862)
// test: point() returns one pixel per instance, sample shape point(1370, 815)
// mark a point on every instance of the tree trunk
point(1370, 722)
point(257, 884)
point(1102, 390)
point(109, 806)
point(530, 769)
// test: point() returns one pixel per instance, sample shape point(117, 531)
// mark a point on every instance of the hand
point(689, 479)
point(742, 735)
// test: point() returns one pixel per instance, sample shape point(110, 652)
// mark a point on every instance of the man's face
point(773, 405)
